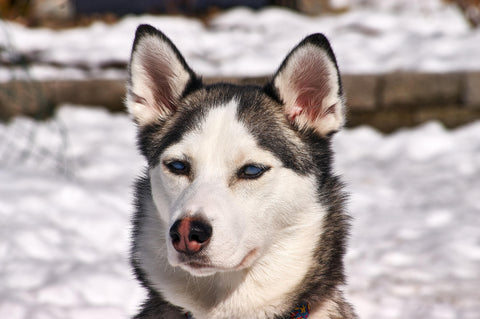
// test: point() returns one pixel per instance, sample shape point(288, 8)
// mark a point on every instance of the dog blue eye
point(252, 171)
point(178, 167)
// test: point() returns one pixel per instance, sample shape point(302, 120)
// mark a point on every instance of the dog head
point(233, 170)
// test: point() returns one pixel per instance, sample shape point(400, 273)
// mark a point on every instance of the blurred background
point(389, 51)
point(410, 153)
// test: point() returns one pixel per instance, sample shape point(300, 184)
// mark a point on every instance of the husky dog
point(238, 213)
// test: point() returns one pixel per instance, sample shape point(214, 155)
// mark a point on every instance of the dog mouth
point(204, 266)
point(249, 259)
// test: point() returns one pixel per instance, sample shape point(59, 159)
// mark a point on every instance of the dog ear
point(309, 84)
point(158, 76)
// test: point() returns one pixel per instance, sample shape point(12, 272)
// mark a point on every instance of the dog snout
point(190, 235)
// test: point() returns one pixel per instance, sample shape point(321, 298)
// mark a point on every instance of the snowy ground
point(392, 35)
point(65, 208)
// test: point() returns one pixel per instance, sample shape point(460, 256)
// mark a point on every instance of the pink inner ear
point(161, 75)
point(139, 99)
point(311, 83)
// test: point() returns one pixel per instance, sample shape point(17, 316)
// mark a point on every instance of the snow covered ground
point(391, 35)
point(65, 208)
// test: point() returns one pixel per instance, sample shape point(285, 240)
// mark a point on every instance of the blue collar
point(301, 311)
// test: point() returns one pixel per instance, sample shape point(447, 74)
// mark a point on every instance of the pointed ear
point(158, 76)
point(309, 85)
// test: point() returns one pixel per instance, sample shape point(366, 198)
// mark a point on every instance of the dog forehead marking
point(222, 122)
point(221, 140)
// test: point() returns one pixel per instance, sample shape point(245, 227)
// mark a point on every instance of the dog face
point(219, 174)
point(233, 171)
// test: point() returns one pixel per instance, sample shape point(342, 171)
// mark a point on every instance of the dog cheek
point(165, 191)
point(231, 229)
point(258, 214)
point(291, 195)
point(233, 235)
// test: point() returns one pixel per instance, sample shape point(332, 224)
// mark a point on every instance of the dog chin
point(199, 270)
point(203, 269)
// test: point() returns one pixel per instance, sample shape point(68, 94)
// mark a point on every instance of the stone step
point(386, 101)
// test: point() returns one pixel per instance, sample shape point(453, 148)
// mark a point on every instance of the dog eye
point(252, 171)
point(178, 167)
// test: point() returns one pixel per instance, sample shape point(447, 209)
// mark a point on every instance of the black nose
point(190, 235)
point(199, 231)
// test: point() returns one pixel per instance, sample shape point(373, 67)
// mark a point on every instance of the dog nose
point(190, 235)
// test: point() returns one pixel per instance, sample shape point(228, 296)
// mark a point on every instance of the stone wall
point(385, 101)
point(395, 100)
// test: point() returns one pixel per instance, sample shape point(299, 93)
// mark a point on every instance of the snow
point(415, 238)
point(64, 232)
point(65, 209)
point(415, 241)
point(384, 37)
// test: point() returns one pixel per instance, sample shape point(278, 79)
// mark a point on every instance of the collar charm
point(301, 311)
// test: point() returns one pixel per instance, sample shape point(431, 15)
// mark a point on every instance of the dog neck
point(302, 311)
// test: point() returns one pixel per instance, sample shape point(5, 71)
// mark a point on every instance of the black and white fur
point(253, 167)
